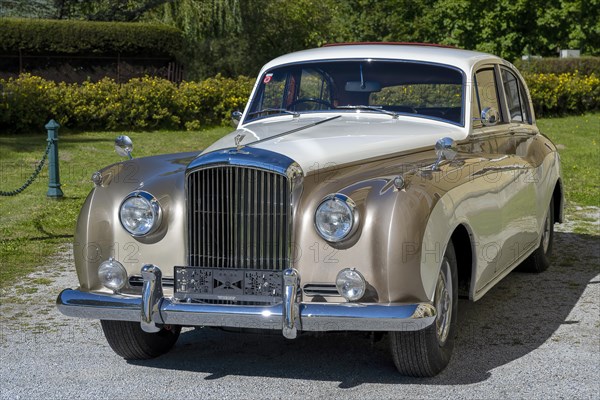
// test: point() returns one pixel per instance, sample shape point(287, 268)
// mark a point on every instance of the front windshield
point(391, 87)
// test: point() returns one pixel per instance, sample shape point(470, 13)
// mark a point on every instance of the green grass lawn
point(577, 140)
point(33, 226)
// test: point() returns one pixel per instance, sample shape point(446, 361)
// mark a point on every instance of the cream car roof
point(462, 59)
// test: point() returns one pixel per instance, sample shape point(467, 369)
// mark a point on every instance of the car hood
point(338, 139)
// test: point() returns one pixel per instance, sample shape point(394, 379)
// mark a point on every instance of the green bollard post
point(54, 189)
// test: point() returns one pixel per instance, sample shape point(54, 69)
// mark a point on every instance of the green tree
point(508, 28)
point(238, 36)
point(233, 37)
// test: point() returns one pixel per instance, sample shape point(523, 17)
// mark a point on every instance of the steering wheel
point(309, 100)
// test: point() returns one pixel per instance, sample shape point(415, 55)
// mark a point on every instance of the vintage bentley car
point(365, 188)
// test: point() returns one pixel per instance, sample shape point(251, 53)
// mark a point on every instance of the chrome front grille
point(238, 217)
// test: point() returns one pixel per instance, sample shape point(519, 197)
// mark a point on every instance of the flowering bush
point(26, 103)
point(567, 93)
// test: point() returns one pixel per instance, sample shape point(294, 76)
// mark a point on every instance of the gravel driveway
point(532, 336)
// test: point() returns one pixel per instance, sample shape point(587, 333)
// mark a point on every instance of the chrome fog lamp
point(140, 213)
point(112, 274)
point(336, 217)
point(350, 284)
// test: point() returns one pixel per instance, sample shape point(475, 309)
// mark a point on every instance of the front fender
point(386, 247)
point(99, 234)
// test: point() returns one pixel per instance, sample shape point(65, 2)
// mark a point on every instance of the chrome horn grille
point(238, 217)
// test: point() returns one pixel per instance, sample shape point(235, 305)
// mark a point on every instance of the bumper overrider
point(153, 309)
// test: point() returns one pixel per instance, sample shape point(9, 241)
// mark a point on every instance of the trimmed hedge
point(583, 65)
point(38, 36)
point(26, 103)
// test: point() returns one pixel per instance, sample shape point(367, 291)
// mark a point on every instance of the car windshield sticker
point(267, 78)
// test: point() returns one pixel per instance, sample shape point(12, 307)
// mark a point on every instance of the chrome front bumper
point(152, 309)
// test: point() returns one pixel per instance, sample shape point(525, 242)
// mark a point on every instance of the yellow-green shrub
point(210, 102)
point(26, 103)
point(149, 103)
point(568, 93)
point(89, 105)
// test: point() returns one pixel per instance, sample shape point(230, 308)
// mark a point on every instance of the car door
point(519, 184)
point(487, 176)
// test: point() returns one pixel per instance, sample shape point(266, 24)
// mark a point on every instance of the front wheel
point(128, 340)
point(427, 352)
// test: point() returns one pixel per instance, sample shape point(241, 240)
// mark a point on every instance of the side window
point(517, 106)
point(485, 93)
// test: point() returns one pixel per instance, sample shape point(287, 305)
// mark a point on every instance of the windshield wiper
point(371, 108)
point(301, 128)
point(273, 110)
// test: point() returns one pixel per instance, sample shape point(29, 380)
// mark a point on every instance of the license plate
point(228, 284)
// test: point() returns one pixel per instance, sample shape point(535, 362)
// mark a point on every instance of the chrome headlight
point(336, 217)
point(112, 274)
point(351, 284)
point(140, 213)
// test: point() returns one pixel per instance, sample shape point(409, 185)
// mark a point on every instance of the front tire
point(427, 352)
point(128, 340)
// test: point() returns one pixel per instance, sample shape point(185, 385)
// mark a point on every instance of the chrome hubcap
point(443, 302)
point(546, 233)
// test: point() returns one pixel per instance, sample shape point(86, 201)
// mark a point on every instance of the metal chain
point(33, 176)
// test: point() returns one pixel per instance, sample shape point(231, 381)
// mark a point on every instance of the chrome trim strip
point(320, 317)
point(234, 215)
point(246, 157)
point(152, 296)
point(295, 176)
point(261, 239)
point(222, 213)
point(283, 209)
point(213, 229)
point(321, 289)
point(270, 241)
point(255, 242)
point(76, 303)
point(291, 281)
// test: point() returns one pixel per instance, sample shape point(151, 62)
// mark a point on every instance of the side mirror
point(490, 116)
point(445, 149)
point(124, 146)
point(236, 117)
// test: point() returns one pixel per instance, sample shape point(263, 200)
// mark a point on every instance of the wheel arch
point(559, 199)
point(462, 240)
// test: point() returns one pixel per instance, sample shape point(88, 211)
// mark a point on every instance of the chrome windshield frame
point(259, 85)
